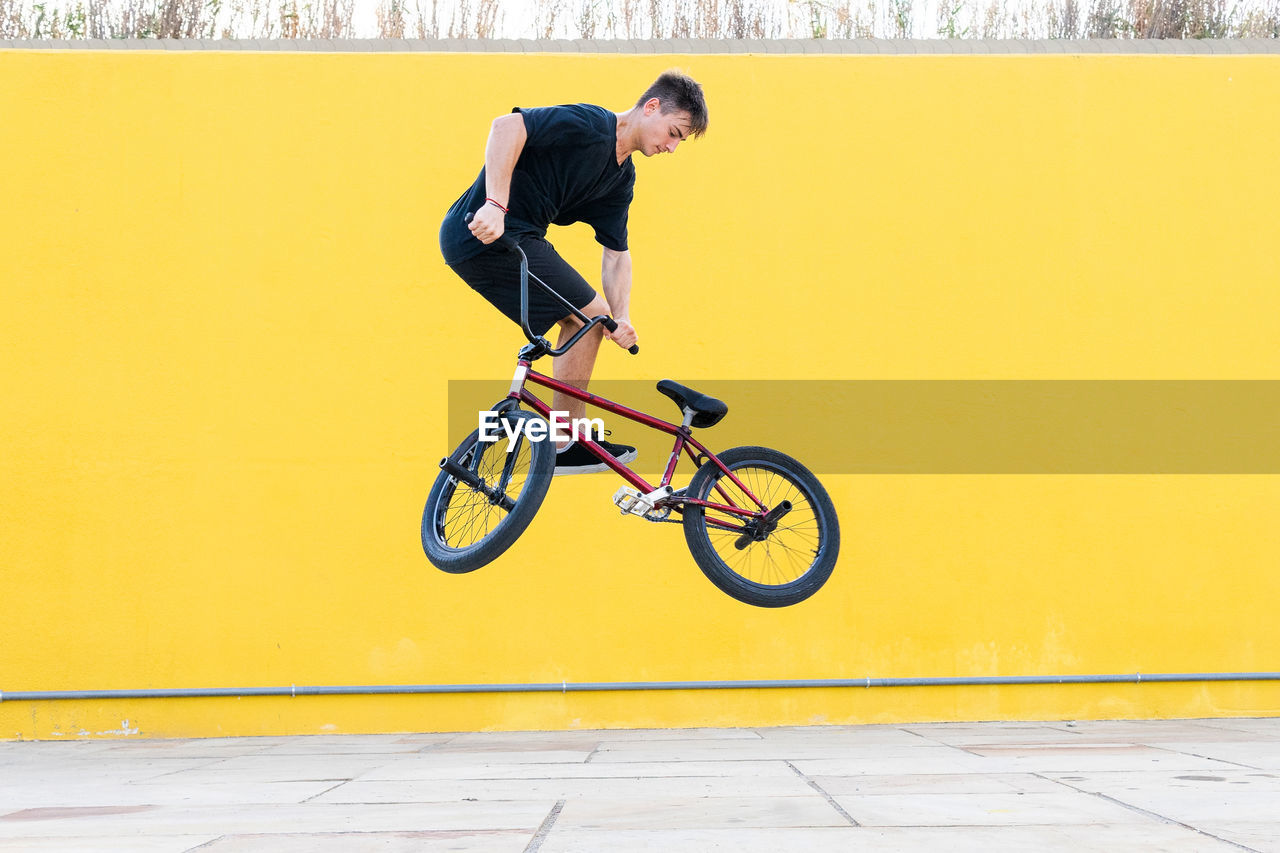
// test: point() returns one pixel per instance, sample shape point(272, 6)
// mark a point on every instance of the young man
point(563, 165)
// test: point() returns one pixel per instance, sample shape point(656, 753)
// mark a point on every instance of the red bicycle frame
point(684, 441)
point(538, 346)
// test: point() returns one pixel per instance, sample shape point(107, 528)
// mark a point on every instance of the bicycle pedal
point(632, 502)
point(626, 499)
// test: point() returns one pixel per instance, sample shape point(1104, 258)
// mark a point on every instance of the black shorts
point(495, 275)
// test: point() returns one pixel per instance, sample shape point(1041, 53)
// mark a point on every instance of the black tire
point(793, 561)
point(462, 528)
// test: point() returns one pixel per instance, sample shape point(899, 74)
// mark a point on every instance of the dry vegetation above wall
point(639, 19)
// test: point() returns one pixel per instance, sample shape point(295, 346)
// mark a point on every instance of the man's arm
point(615, 276)
point(506, 140)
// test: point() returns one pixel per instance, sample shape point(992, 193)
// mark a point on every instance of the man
point(563, 165)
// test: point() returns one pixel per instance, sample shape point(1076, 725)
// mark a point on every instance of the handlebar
point(507, 242)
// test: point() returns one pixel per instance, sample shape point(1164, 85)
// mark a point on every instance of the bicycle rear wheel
point(467, 526)
point(777, 568)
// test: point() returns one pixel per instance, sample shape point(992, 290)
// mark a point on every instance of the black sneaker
point(576, 459)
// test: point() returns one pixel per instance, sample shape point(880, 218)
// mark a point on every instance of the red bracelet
point(495, 204)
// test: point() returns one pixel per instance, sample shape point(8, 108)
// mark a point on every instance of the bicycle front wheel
point(468, 525)
point(765, 567)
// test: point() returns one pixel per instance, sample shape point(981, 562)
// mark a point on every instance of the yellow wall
point(226, 336)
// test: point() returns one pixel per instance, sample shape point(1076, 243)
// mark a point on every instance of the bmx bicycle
point(760, 526)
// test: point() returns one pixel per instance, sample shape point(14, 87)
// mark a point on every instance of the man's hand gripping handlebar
point(507, 242)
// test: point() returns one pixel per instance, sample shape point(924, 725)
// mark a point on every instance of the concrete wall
point(227, 337)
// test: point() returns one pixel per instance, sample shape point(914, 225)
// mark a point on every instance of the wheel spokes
point(468, 516)
point(789, 551)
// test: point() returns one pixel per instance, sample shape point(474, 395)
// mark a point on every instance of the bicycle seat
point(707, 411)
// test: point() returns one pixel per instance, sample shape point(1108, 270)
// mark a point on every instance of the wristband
point(495, 204)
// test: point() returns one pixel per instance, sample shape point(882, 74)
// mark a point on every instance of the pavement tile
point(1064, 734)
point(1204, 806)
point(961, 729)
point(1079, 786)
point(1265, 727)
point(913, 765)
point(1152, 739)
point(95, 795)
point(103, 768)
point(183, 749)
point(459, 757)
point(768, 751)
point(1026, 759)
point(426, 738)
point(606, 736)
point(1218, 781)
point(55, 747)
point(843, 735)
point(577, 750)
point(496, 841)
point(361, 747)
point(270, 768)
point(1065, 807)
point(958, 783)
point(712, 813)
point(633, 789)
point(952, 839)
point(1261, 755)
point(282, 819)
point(1215, 736)
point(809, 840)
point(592, 770)
point(1257, 835)
point(342, 740)
point(966, 734)
point(108, 844)
point(1137, 727)
point(1041, 738)
point(1149, 731)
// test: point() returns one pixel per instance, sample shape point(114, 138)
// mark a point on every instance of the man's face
point(662, 132)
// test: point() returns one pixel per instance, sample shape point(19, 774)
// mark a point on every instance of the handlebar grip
point(612, 325)
point(504, 241)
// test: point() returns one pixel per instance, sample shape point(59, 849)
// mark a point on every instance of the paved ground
point(1106, 786)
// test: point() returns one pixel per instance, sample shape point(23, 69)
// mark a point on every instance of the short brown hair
point(678, 92)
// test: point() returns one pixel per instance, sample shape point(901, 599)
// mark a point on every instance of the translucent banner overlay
point(954, 426)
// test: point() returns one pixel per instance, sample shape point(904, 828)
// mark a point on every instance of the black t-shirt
point(567, 172)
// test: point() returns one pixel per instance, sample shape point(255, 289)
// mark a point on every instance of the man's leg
point(574, 367)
